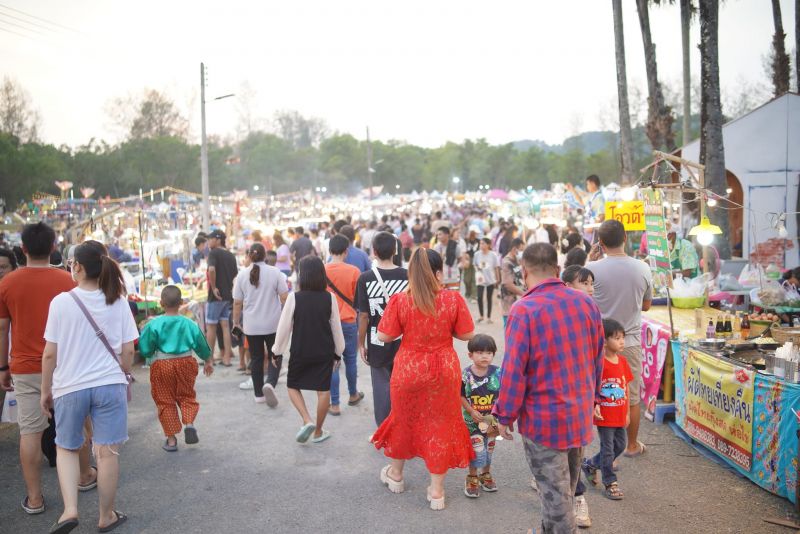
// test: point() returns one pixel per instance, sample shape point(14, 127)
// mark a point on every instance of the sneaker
point(487, 482)
point(269, 394)
point(472, 487)
point(489, 321)
point(247, 384)
point(260, 400)
point(480, 320)
point(582, 518)
point(534, 485)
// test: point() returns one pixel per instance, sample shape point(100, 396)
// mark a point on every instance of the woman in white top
point(259, 291)
point(487, 268)
point(83, 379)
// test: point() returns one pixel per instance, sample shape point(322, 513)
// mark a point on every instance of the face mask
point(519, 256)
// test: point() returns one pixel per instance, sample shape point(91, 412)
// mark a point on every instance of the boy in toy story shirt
point(480, 385)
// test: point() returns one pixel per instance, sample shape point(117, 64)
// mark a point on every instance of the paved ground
point(248, 475)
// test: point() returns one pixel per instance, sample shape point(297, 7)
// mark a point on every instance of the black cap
point(216, 234)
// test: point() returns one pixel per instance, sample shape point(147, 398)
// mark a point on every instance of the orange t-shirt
point(25, 296)
point(345, 278)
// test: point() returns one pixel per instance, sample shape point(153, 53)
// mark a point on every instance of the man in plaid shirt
point(551, 372)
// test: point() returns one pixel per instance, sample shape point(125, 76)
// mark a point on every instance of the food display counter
point(743, 415)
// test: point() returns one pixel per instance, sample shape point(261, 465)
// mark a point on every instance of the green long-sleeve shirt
point(173, 334)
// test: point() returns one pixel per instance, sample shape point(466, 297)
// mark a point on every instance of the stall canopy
point(762, 158)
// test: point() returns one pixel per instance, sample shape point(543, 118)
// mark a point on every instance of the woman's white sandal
point(393, 485)
point(436, 504)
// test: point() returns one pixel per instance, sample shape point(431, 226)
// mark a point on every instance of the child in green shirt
point(169, 342)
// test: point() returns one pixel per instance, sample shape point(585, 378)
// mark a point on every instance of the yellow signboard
point(719, 406)
point(630, 214)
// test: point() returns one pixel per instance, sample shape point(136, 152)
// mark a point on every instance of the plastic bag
point(695, 287)
point(770, 295)
point(728, 282)
point(752, 276)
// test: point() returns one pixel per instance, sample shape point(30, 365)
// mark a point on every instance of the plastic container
point(688, 303)
point(773, 272)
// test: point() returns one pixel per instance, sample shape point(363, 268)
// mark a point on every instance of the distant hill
point(590, 143)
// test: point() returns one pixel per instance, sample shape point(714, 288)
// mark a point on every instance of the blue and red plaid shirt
point(552, 366)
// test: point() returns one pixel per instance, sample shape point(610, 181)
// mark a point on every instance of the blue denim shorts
point(106, 405)
point(219, 310)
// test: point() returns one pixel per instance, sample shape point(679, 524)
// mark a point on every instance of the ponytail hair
point(423, 285)
point(257, 253)
point(94, 258)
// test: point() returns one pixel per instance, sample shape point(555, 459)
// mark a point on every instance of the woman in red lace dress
point(425, 420)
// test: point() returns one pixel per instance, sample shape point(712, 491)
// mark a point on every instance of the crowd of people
point(393, 292)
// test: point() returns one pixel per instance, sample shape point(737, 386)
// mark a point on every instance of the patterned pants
point(172, 386)
point(556, 472)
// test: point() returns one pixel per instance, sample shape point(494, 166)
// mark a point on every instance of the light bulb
point(628, 194)
point(782, 233)
point(712, 202)
point(705, 238)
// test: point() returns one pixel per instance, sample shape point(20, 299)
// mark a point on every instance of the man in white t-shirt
point(454, 254)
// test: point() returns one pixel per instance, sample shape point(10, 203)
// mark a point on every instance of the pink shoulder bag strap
point(99, 333)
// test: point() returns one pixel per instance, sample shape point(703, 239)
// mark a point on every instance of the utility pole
point(369, 164)
point(204, 150)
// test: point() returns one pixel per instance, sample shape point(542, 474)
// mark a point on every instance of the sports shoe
point(472, 487)
point(487, 482)
point(247, 384)
point(260, 400)
point(582, 518)
point(269, 394)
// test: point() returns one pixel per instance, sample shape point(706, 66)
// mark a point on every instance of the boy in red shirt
point(612, 415)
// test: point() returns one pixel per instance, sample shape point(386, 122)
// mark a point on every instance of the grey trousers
point(556, 472)
point(382, 403)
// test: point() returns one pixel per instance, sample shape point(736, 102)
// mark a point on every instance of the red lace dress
point(426, 419)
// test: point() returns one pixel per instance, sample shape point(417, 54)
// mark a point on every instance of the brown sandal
point(613, 492)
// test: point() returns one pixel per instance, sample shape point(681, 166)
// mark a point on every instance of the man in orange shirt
point(342, 280)
point(25, 296)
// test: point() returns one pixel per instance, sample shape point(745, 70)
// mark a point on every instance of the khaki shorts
point(634, 356)
point(28, 389)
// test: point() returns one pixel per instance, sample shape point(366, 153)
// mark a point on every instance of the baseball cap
point(216, 234)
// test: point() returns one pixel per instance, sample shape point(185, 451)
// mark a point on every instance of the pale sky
point(420, 71)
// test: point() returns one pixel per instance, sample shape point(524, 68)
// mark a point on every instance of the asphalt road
point(248, 474)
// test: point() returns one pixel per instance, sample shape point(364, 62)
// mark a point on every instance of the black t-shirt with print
point(224, 262)
point(370, 299)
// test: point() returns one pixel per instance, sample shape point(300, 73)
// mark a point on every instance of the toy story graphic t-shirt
point(481, 392)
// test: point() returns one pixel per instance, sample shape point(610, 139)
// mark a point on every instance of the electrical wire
point(42, 26)
point(9, 8)
point(16, 33)
point(20, 26)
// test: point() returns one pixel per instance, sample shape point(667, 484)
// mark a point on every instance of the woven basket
point(758, 327)
point(783, 334)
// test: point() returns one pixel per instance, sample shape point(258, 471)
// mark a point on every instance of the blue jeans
point(483, 447)
point(350, 360)
point(612, 444)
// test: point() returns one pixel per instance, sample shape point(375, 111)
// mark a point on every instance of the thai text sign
point(655, 344)
point(719, 406)
point(657, 244)
point(630, 214)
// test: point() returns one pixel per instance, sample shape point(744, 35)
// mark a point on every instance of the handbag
point(99, 333)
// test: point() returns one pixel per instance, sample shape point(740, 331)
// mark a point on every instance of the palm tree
point(625, 134)
point(659, 114)
point(781, 67)
point(686, 19)
point(712, 149)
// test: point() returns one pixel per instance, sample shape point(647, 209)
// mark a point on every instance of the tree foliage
point(17, 116)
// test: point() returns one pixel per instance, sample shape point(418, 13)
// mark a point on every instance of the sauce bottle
point(728, 328)
point(710, 330)
point(745, 326)
point(720, 328)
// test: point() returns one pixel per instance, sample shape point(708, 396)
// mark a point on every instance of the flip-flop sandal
point(641, 451)
point(359, 399)
point(91, 485)
point(33, 511)
point(334, 413)
point(64, 527)
point(305, 432)
point(322, 437)
point(170, 448)
point(121, 518)
point(190, 435)
point(226, 364)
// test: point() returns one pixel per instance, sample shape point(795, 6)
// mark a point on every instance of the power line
point(38, 18)
point(20, 26)
point(34, 24)
point(15, 33)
